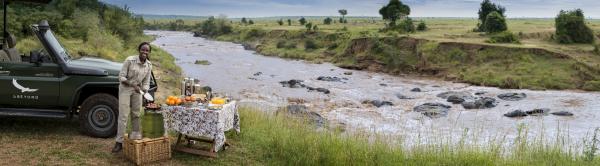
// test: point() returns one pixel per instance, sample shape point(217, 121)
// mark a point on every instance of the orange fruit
point(188, 98)
point(178, 101)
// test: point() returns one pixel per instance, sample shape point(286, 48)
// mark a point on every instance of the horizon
point(419, 8)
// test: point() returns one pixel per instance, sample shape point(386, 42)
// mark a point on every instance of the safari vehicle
point(47, 82)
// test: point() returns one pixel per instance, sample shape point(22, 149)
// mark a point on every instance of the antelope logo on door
point(22, 88)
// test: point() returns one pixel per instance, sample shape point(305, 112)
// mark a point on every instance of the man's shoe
point(118, 147)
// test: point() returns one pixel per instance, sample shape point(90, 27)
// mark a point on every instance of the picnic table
point(201, 124)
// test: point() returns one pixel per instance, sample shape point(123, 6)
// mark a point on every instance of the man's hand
point(126, 83)
point(136, 88)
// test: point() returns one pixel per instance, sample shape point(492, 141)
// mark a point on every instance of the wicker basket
point(147, 150)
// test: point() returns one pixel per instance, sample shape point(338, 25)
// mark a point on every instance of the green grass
point(507, 65)
point(268, 139)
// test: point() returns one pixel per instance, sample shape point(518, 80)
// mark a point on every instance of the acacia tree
point(289, 22)
point(488, 7)
point(280, 22)
point(393, 11)
point(308, 26)
point(343, 12)
point(302, 21)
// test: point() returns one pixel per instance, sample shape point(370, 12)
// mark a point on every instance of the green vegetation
point(571, 28)
point(343, 12)
point(504, 37)
point(327, 21)
point(495, 23)
point(90, 28)
point(393, 11)
point(487, 8)
point(302, 21)
point(268, 139)
point(202, 62)
point(422, 26)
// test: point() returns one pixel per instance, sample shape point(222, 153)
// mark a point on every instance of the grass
point(458, 53)
point(268, 139)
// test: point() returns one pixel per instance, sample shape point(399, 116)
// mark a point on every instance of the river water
point(234, 71)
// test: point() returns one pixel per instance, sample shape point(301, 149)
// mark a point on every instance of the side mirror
point(34, 57)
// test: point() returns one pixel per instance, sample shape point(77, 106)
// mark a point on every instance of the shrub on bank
point(504, 37)
point(571, 28)
point(310, 44)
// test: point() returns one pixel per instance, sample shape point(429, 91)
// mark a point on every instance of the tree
point(494, 23)
point(488, 7)
point(244, 21)
point(280, 22)
point(327, 21)
point(315, 28)
point(394, 10)
point(250, 22)
point(289, 22)
point(302, 21)
point(343, 12)
point(422, 26)
point(407, 25)
point(308, 26)
point(571, 28)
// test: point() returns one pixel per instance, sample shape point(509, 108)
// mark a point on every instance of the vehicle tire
point(98, 115)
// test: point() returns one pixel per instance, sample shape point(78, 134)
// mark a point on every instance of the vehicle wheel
point(98, 115)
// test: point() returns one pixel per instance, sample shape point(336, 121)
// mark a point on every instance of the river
point(253, 78)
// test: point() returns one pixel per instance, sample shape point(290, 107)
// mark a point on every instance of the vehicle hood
point(108, 67)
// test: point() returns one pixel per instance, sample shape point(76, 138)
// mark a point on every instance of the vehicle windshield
point(49, 36)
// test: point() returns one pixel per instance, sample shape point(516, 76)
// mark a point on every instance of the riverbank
point(268, 139)
point(537, 64)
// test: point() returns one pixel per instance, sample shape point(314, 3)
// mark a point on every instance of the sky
point(420, 8)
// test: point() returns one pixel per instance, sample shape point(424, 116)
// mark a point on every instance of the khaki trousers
point(130, 102)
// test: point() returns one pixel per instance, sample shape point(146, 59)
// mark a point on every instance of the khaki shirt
point(136, 72)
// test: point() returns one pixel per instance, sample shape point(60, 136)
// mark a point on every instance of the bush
point(281, 44)
point(254, 33)
point(215, 27)
point(504, 37)
point(406, 26)
point(571, 28)
point(422, 27)
point(327, 21)
point(495, 22)
point(310, 44)
point(285, 44)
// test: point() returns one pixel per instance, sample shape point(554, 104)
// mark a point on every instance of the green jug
point(152, 125)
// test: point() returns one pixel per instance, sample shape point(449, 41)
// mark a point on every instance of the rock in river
point(512, 96)
point(464, 95)
point(292, 84)
point(331, 79)
point(538, 111)
point(515, 113)
point(379, 103)
point(481, 103)
point(454, 99)
point(401, 96)
point(416, 90)
point(433, 110)
point(562, 113)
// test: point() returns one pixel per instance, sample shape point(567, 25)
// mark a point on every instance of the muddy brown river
point(255, 80)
